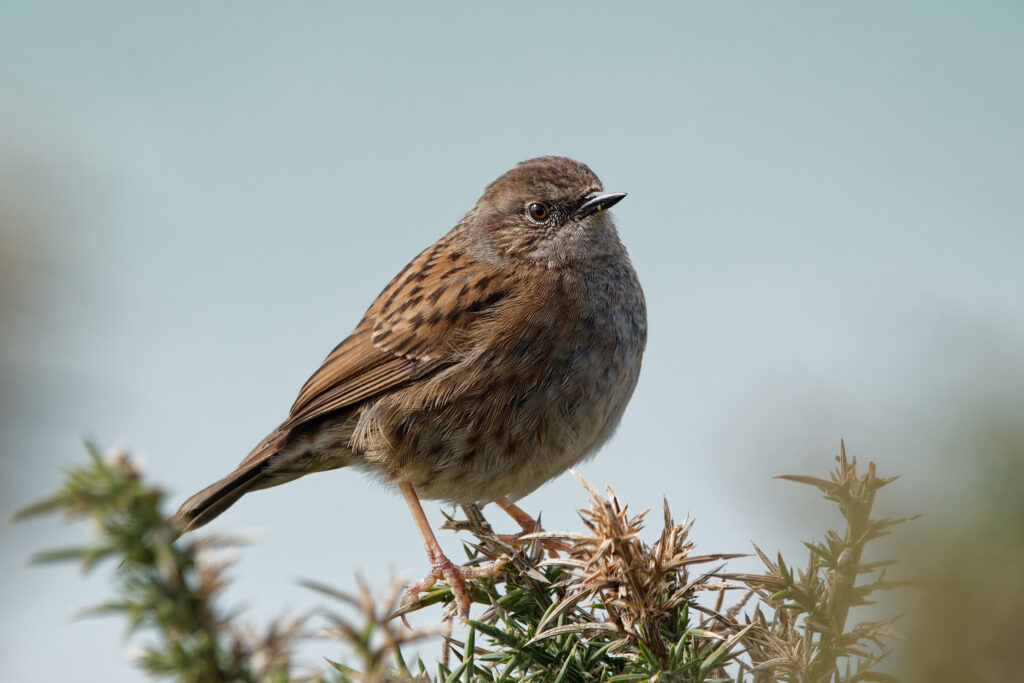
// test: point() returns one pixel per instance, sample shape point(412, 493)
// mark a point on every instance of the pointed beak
point(596, 201)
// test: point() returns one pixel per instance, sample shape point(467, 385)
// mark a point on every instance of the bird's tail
point(218, 497)
point(255, 472)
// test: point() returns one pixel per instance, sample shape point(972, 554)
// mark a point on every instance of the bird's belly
point(509, 441)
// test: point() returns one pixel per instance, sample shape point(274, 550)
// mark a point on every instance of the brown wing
point(423, 321)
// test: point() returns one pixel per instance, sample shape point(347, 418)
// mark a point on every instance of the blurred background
point(825, 208)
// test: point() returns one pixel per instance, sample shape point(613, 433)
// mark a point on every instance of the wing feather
point(428, 318)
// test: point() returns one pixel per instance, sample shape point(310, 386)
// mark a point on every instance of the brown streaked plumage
point(500, 356)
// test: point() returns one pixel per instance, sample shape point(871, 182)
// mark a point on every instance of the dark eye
point(538, 211)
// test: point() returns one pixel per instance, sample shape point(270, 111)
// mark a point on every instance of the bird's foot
point(456, 577)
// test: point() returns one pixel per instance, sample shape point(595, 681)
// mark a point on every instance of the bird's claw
point(456, 576)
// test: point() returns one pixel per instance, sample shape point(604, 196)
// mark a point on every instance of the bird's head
point(549, 210)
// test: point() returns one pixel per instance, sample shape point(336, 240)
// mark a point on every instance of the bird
point(499, 357)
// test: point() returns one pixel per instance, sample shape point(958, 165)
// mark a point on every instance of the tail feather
point(218, 497)
point(251, 474)
point(281, 457)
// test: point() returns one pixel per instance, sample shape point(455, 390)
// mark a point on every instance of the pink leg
point(529, 526)
point(523, 519)
point(441, 566)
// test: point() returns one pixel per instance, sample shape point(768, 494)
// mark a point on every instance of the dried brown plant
point(375, 635)
point(637, 585)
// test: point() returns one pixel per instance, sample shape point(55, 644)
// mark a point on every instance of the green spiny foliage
point(600, 605)
point(807, 638)
point(162, 586)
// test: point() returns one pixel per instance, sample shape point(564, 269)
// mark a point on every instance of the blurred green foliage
point(965, 624)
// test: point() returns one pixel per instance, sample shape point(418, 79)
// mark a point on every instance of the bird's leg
point(529, 526)
point(523, 518)
point(441, 566)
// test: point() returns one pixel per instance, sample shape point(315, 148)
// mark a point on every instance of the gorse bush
point(596, 605)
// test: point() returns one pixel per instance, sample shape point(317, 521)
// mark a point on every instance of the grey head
point(549, 210)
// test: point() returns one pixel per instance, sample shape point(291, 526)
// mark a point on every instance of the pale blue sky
point(825, 210)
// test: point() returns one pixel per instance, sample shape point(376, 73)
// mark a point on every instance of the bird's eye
point(537, 211)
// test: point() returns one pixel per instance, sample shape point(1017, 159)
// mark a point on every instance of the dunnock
point(500, 356)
